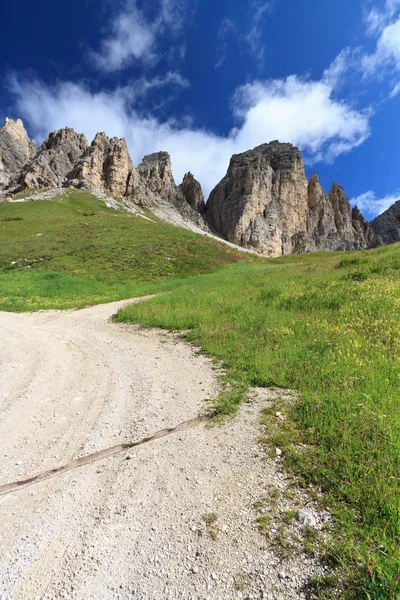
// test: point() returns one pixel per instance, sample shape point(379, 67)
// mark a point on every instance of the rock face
point(106, 165)
point(262, 200)
point(65, 159)
point(364, 232)
point(156, 174)
point(266, 202)
point(193, 193)
point(16, 149)
point(387, 225)
point(57, 157)
point(331, 224)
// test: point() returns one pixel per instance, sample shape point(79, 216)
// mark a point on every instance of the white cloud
point(226, 31)
point(173, 14)
point(133, 37)
point(385, 25)
point(395, 91)
point(142, 86)
point(293, 110)
point(376, 20)
point(302, 112)
point(254, 36)
point(392, 6)
point(387, 52)
point(334, 75)
point(370, 203)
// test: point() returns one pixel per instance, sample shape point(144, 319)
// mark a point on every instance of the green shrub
point(350, 262)
point(357, 275)
point(11, 218)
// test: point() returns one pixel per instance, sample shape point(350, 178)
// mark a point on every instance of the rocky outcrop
point(265, 202)
point(262, 200)
point(342, 214)
point(65, 159)
point(365, 234)
point(156, 174)
point(191, 189)
point(105, 166)
point(90, 171)
point(386, 226)
point(331, 224)
point(16, 149)
point(57, 157)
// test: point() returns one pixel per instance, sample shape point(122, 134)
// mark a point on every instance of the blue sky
point(205, 79)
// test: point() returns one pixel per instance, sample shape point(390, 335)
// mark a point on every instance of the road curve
point(131, 525)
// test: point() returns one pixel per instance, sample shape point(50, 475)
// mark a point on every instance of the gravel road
point(171, 519)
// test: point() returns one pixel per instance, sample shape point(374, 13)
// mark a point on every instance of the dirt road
point(171, 519)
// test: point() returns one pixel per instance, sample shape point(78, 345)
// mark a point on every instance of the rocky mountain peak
point(315, 192)
point(16, 149)
point(156, 170)
point(66, 137)
point(191, 189)
point(331, 224)
point(386, 226)
point(342, 212)
point(364, 232)
point(100, 140)
point(57, 156)
point(277, 155)
point(265, 202)
point(262, 200)
point(119, 167)
point(105, 166)
point(15, 128)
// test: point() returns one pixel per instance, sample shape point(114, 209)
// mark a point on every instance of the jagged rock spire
point(191, 189)
point(16, 149)
point(266, 202)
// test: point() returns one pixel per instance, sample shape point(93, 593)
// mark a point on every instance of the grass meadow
point(73, 251)
point(324, 324)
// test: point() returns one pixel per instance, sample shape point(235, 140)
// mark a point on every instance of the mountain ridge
point(264, 202)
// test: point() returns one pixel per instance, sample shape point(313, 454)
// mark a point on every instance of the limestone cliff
point(265, 202)
point(16, 149)
point(331, 224)
point(105, 166)
point(91, 171)
point(387, 225)
point(262, 200)
point(156, 174)
point(364, 232)
point(57, 157)
point(191, 189)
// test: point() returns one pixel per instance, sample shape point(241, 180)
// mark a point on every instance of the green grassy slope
point(88, 253)
point(326, 325)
